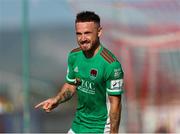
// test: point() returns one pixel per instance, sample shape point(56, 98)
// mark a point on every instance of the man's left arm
point(115, 113)
point(114, 87)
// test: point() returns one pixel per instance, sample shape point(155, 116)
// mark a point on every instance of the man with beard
point(96, 75)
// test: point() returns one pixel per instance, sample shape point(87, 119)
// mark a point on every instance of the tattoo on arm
point(67, 95)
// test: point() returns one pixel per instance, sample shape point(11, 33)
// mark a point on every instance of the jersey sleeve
point(70, 77)
point(114, 79)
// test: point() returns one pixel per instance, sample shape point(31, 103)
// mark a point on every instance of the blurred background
point(36, 36)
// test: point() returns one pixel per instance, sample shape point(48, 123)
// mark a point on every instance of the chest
point(89, 70)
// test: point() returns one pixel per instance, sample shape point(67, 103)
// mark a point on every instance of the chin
point(85, 48)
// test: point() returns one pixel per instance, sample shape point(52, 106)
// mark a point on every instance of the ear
point(99, 31)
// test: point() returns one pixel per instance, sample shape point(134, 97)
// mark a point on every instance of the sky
point(62, 12)
point(40, 12)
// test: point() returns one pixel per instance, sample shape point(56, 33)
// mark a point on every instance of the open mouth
point(84, 44)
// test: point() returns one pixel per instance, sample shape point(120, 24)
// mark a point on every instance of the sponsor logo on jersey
point(87, 87)
point(116, 84)
point(93, 74)
point(117, 73)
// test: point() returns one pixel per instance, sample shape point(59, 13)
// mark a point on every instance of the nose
point(83, 37)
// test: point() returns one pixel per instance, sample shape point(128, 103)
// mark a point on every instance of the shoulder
point(110, 60)
point(75, 50)
point(108, 56)
point(73, 54)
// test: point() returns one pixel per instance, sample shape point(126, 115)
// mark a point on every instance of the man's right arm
point(66, 93)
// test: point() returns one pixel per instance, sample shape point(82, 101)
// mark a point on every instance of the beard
point(85, 45)
point(89, 46)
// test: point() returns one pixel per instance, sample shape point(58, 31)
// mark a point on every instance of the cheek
point(78, 39)
point(95, 38)
point(92, 38)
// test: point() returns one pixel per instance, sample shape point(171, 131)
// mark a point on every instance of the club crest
point(93, 74)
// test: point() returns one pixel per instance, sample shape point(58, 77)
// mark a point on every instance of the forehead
point(85, 25)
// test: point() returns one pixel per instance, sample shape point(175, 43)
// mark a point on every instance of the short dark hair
point(87, 16)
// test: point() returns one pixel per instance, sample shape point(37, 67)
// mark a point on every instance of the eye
point(87, 33)
point(77, 33)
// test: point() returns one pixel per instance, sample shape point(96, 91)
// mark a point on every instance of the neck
point(93, 51)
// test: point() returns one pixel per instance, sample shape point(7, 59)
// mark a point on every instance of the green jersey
point(98, 77)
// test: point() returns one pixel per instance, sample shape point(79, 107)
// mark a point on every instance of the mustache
point(82, 42)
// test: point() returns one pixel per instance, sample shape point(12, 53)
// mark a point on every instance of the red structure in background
point(156, 87)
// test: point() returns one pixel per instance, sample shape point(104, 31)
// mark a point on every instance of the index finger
point(39, 105)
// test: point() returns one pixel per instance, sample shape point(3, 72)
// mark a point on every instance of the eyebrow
point(87, 32)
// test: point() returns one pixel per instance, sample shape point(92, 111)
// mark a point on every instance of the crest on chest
point(93, 73)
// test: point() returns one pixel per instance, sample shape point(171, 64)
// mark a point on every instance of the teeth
point(84, 43)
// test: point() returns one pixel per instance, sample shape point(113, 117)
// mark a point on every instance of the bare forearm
point(115, 117)
point(115, 113)
point(65, 94)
